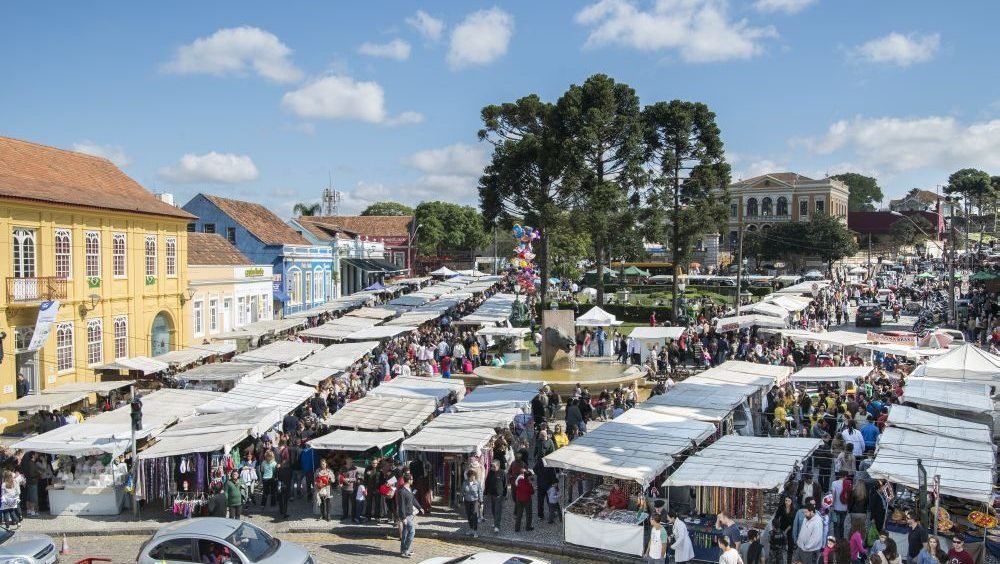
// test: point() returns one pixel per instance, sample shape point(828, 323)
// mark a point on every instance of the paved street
point(328, 548)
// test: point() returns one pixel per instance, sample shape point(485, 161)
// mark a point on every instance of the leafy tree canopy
point(388, 208)
point(449, 227)
point(864, 191)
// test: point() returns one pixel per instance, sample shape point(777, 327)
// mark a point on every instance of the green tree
point(786, 241)
point(974, 186)
point(906, 234)
point(864, 191)
point(449, 227)
point(301, 209)
point(829, 239)
point(755, 247)
point(601, 128)
point(688, 174)
point(524, 181)
point(388, 208)
point(567, 246)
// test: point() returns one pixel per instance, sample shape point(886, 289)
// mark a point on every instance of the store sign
point(253, 272)
point(908, 340)
point(43, 326)
point(276, 282)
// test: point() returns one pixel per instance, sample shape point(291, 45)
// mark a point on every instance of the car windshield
point(253, 542)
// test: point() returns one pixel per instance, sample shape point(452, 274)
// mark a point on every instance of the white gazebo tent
point(443, 271)
point(281, 353)
point(765, 308)
point(967, 363)
point(597, 317)
point(649, 336)
point(637, 447)
point(498, 396)
point(281, 395)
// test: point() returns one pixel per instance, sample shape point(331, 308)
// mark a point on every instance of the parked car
point(868, 314)
point(27, 548)
point(485, 558)
point(204, 538)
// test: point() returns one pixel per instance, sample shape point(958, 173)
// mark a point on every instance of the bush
point(760, 292)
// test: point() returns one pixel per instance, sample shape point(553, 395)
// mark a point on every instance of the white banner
point(46, 316)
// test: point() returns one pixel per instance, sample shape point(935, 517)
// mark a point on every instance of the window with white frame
point(265, 306)
point(308, 287)
point(294, 287)
point(213, 315)
point(199, 318)
point(318, 278)
point(150, 255)
point(121, 337)
point(227, 313)
point(171, 245)
point(95, 342)
point(64, 250)
point(64, 347)
point(24, 253)
point(241, 311)
point(118, 255)
point(92, 250)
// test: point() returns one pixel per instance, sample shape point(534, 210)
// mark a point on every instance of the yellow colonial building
point(76, 229)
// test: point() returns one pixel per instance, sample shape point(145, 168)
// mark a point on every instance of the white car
point(485, 558)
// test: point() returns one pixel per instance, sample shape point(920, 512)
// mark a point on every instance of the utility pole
point(952, 311)
point(739, 269)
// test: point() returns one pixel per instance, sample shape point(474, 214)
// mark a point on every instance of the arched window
point(63, 256)
point(782, 206)
point(319, 287)
point(150, 255)
point(766, 207)
point(95, 342)
point(121, 337)
point(64, 347)
point(92, 251)
point(752, 206)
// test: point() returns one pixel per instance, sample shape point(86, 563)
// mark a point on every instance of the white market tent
point(790, 303)
point(496, 309)
point(779, 373)
point(379, 333)
point(833, 338)
point(410, 300)
point(44, 402)
point(700, 401)
point(191, 355)
point(210, 433)
point(832, 373)
point(341, 356)
point(443, 271)
point(473, 273)
point(142, 364)
point(259, 329)
point(356, 322)
point(110, 432)
point(280, 395)
point(804, 287)
point(967, 363)
point(355, 441)
point(899, 349)
point(328, 331)
point(100, 388)
point(306, 374)
point(743, 321)
point(966, 397)
point(237, 372)
point(383, 414)
point(723, 374)
point(966, 468)
point(597, 317)
point(497, 396)
point(657, 333)
point(508, 332)
point(637, 446)
point(412, 319)
point(765, 308)
point(378, 313)
point(279, 352)
point(932, 424)
point(419, 387)
point(733, 461)
point(462, 432)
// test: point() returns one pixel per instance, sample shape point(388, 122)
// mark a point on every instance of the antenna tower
point(331, 201)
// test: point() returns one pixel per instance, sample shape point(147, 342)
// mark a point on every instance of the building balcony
point(29, 291)
point(765, 218)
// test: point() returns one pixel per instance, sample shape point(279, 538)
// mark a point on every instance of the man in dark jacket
point(496, 491)
point(283, 474)
point(538, 404)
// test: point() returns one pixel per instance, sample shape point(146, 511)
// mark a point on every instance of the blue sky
point(266, 101)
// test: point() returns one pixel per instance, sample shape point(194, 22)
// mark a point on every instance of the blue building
point(304, 273)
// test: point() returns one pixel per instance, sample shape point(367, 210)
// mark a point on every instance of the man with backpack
point(841, 490)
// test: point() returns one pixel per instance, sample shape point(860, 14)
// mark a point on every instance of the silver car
point(215, 539)
point(27, 548)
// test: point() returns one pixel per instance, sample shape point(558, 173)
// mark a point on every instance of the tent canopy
point(238, 372)
point(597, 317)
point(765, 308)
point(932, 424)
point(831, 374)
point(509, 332)
point(743, 321)
point(967, 363)
point(790, 303)
point(700, 400)
point(757, 463)
point(380, 333)
point(100, 388)
point(499, 396)
point(355, 441)
point(191, 355)
point(653, 333)
point(833, 338)
point(966, 468)
point(282, 396)
point(142, 364)
point(965, 397)
point(419, 387)
point(443, 271)
point(465, 431)
point(383, 414)
point(210, 433)
point(44, 402)
point(279, 352)
point(734, 372)
point(638, 445)
point(635, 271)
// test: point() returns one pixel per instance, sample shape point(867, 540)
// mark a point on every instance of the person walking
point(348, 480)
point(523, 492)
point(496, 492)
point(234, 494)
point(323, 484)
point(267, 468)
point(809, 543)
point(916, 537)
point(656, 550)
point(680, 540)
point(472, 497)
point(283, 478)
point(406, 509)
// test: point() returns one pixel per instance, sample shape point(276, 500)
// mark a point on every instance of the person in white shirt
point(729, 554)
point(656, 551)
point(681, 541)
point(810, 540)
point(854, 438)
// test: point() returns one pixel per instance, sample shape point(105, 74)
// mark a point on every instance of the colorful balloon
point(518, 231)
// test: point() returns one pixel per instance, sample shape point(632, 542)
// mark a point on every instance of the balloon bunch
point(524, 257)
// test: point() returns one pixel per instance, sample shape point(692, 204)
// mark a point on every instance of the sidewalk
point(443, 523)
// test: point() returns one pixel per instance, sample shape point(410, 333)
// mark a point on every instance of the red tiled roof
point(788, 177)
point(367, 225)
point(880, 222)
point(30, 171)
point(211, 249)
point(322, 228)
point(259, 221)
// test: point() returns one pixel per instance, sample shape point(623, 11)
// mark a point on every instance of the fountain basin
point(593, 374)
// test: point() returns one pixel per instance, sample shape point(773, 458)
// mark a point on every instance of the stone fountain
point(558, 365)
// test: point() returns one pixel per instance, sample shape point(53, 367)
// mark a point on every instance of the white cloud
point(113, 153)
point(759, 167)
point(396, 49)
point(903, 144)
point(234, 51)
point(786, 6)
point(341, 97)
point(481, 38)
point(214, 168)
point(459, 159)
point(899, 49)
point(700, 30)
point(427, 25)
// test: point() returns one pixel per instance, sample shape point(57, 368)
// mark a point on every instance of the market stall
point(597, 317)
point(725, 405)
point(624, 455)
point(222, 376)
point(762, 377)
point(181, 359)
point(372, 413)
point(257, 333)
point(738, 322)
point(966, 363)
point(281, 395)
point(356, 441)
point(967, 401)
point(419, 387)
point(280, 353)
point(741, 476)
point(649, 337)
point(834, 374)
point(379, 333)
point(767, 308)
point(498, 396)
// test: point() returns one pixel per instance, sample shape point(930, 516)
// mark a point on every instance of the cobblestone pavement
point(325, 548)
